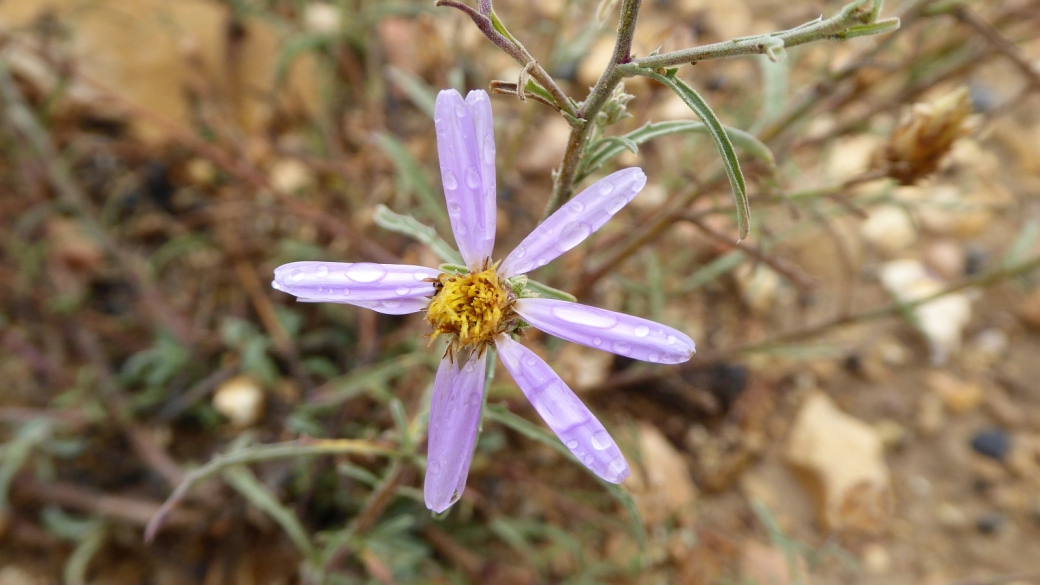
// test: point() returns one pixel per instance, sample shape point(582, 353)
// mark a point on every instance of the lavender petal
point(618, 333)
point(388, 307)
point(349, 282)
point(454, 417)
point(466, 149)
point(563, 411)
point(574, 222)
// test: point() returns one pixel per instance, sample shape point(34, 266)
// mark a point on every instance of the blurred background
point(159, 159)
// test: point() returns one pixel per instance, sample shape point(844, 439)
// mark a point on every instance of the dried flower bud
point(924, 136)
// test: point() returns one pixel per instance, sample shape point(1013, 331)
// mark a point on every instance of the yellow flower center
point(474, 308)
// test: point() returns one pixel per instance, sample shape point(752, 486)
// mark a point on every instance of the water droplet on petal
point(597, 341)
point(392, 303)
point(616, 205)
point(365, 272)
point(622, 348)
point(322, 271)
point(460, 110)
point(575, 207)
point(472, 178)
point(419, 275)
point(606, 189)
point(541, 262)
point(455, 209)
point(671, 340)
point(588, 460)
point(601, 440)
point(572, 235)
point(642, 330)
point(617, 466)
point(572, 444)
point(653, 358)
point(276, 286)
point(489, 149)
point(401, 291)
point(462, 229)
point(455, 495)
point(346, 292)
point(296, 275)
point(585, 316)
point(530, 361)
point(449, 180)
point(519, 252)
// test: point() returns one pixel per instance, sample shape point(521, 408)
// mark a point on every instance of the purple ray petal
point(338, 282)
point(388, 307)
point(618, 333)
point(574, 222)
point(454, 417)
point(466, 149)
point(564, 412)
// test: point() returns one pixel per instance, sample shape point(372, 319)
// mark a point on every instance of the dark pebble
point(990, 522)
point(993, 443)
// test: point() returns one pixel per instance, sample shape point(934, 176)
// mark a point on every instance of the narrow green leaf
point(874, 28)
point(722, 141)
point(603, 151)
point(411, 227)
point(502, 416)
point(549, 292)
point(411, 177)
point(418, 91)
point(250, 487)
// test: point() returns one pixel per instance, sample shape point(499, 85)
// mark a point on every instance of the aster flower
point(489, 305)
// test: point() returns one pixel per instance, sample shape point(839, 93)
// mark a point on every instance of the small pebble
point(993, 443)
point(990, 522)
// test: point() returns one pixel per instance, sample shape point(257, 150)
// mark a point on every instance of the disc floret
point(473, 308)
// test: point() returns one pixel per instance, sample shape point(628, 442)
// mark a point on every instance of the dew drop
point(519, 252)
point(419, 275)
point(617, 466)
point(575, 207)
point(462, 229)
point(671, 340)
point(530, 361)
point(323, 271)
point(597, 341)
point(541, 262)
point(588, 460)
point(276, 286)
point(449, 180)
point(606, 189)
point(401, 291)
point(435, 466)
point(616, 205)
point(392, 303)
point(455, 495)
point(473, 399)
point(572, 235)
point(601, 440)
point(653, 358)
point(642, 330)
point(472, 178)
point(455, 209)
point(460, 110)
point(620, 347)
point(365, 272)
point(489, 149)
point(346, 292)
point(572, 444)
point(584, 316)
point(296, 275)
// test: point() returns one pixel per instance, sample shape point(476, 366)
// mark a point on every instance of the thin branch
point(999, 43)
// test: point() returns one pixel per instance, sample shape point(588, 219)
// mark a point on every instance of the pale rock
point(1029, 309)
point(947, 258)
point(845, 456)
point(1004, 410)
point(876, 560)
point(201, 171)
point(930, 417)
point(595, 61)
point(548, 146)
point(889, 229)
point(942, 320)
point(583, 367)
point(893, 434)
point(992, 341)
point(291, 175)
point(957, 395)
point(241, 400)
point(14, 575)
point(662, 487)
point(944, 210)
point(851, 156)
point(892, 352)
point(767, 565)
point(321, 18)
point(951, 517)
point(672, 107)
point(759, 286)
